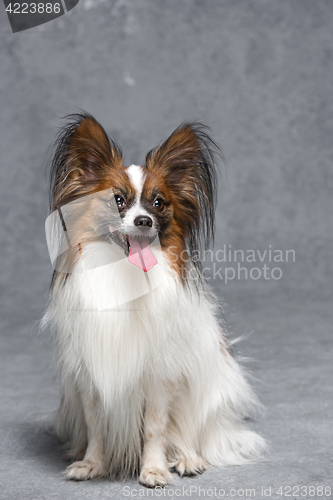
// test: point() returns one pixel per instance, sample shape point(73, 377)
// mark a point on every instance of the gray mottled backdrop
point(260, 74)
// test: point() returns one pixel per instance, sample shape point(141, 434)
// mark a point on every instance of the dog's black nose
point(143, 220)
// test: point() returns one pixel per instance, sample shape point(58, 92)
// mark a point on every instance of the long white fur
point(156, 366)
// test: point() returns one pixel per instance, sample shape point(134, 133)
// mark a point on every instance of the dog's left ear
point(187, 161)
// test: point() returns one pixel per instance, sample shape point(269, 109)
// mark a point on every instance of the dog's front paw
point(190, 466)
point(154, 476)
point(80, 471)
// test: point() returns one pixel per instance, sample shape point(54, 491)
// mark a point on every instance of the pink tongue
point(140, 254)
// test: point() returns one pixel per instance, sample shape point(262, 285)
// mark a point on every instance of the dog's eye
point(158, 203)
point(120, 200)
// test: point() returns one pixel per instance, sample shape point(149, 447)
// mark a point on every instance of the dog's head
point(171, 197)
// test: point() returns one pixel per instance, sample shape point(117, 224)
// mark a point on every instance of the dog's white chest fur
point(161, 333)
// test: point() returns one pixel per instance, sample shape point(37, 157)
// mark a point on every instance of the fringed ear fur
point(83, 155)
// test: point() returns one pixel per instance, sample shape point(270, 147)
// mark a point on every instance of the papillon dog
point(149, 383)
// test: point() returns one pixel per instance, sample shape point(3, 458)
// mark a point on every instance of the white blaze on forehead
point(137, 178)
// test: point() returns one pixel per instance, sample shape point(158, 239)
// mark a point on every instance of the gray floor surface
point(289, 353)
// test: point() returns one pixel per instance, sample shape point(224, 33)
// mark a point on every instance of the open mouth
point(137, 248)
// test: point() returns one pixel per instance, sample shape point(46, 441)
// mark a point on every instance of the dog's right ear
point(83, 156)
